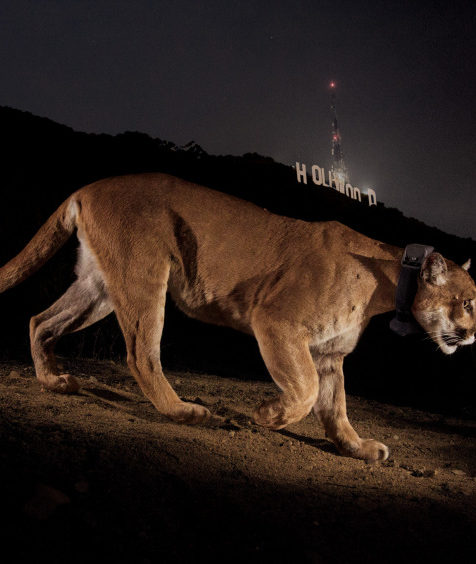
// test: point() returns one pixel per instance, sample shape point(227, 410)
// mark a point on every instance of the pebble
point(457, 472)
point(231, 433)
point(14, 374)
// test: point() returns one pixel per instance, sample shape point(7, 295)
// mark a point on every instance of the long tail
point(47, 241)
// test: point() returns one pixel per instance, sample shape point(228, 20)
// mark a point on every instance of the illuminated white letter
point(339, 184)
point(324, 178)
point(316, 178)
point(349, 191)
point(372, 197)
point(301, 173)
point(356, 194)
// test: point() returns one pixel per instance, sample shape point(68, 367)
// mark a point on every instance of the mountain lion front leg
point(140, 312)
point(331, 409)
point(285, 352)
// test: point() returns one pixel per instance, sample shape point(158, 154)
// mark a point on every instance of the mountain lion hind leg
point(84, 303)
point(140, 311)
point(331, 410)
point(289, 362)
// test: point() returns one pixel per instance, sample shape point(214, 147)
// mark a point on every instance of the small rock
point(457, 472)
point(178, 381)
point(14, 374)
point(390, 463)
point(231, 433)
point(230, 425)
point(430, 473)
point(396, 437)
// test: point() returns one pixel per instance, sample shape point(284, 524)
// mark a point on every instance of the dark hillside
point(43, 162)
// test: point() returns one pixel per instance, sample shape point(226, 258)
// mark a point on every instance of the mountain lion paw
point(190, 413)
point(62, 384)
point(369, 450)
point(273, 415)
point(270, 414)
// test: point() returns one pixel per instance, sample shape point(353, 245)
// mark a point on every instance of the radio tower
point(338, 167)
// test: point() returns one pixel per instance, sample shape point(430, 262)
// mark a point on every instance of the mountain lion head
point(445, 303)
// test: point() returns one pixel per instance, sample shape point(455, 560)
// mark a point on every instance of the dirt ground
point(101, 476)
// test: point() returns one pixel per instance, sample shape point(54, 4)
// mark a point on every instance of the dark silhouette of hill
point(43, 162)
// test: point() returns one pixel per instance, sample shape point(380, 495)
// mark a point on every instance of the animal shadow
point(321, 444)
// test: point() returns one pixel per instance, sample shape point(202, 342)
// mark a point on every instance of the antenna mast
point(338, 168)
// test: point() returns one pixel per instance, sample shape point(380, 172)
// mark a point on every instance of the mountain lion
point(306, 291)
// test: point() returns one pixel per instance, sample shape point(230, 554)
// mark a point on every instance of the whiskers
point(433, 340)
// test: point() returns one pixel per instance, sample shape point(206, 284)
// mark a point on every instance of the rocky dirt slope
point(100, 476)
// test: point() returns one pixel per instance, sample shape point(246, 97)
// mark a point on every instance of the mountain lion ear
point(434, 270)
point(466, 265)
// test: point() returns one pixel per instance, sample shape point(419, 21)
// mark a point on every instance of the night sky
point(248, 76)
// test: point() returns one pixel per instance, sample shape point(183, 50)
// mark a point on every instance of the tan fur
point(306, 291)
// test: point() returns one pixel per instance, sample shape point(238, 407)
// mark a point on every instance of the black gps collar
point(413, 258)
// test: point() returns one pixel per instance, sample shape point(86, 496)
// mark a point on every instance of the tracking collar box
point(412, 260)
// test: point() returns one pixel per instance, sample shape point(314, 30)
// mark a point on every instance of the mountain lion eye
point(468, 306)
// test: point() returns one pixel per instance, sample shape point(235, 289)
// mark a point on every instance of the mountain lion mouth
point(457, 338)
point(451, 340)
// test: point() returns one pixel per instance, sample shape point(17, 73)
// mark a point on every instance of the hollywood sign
point(319, 177)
